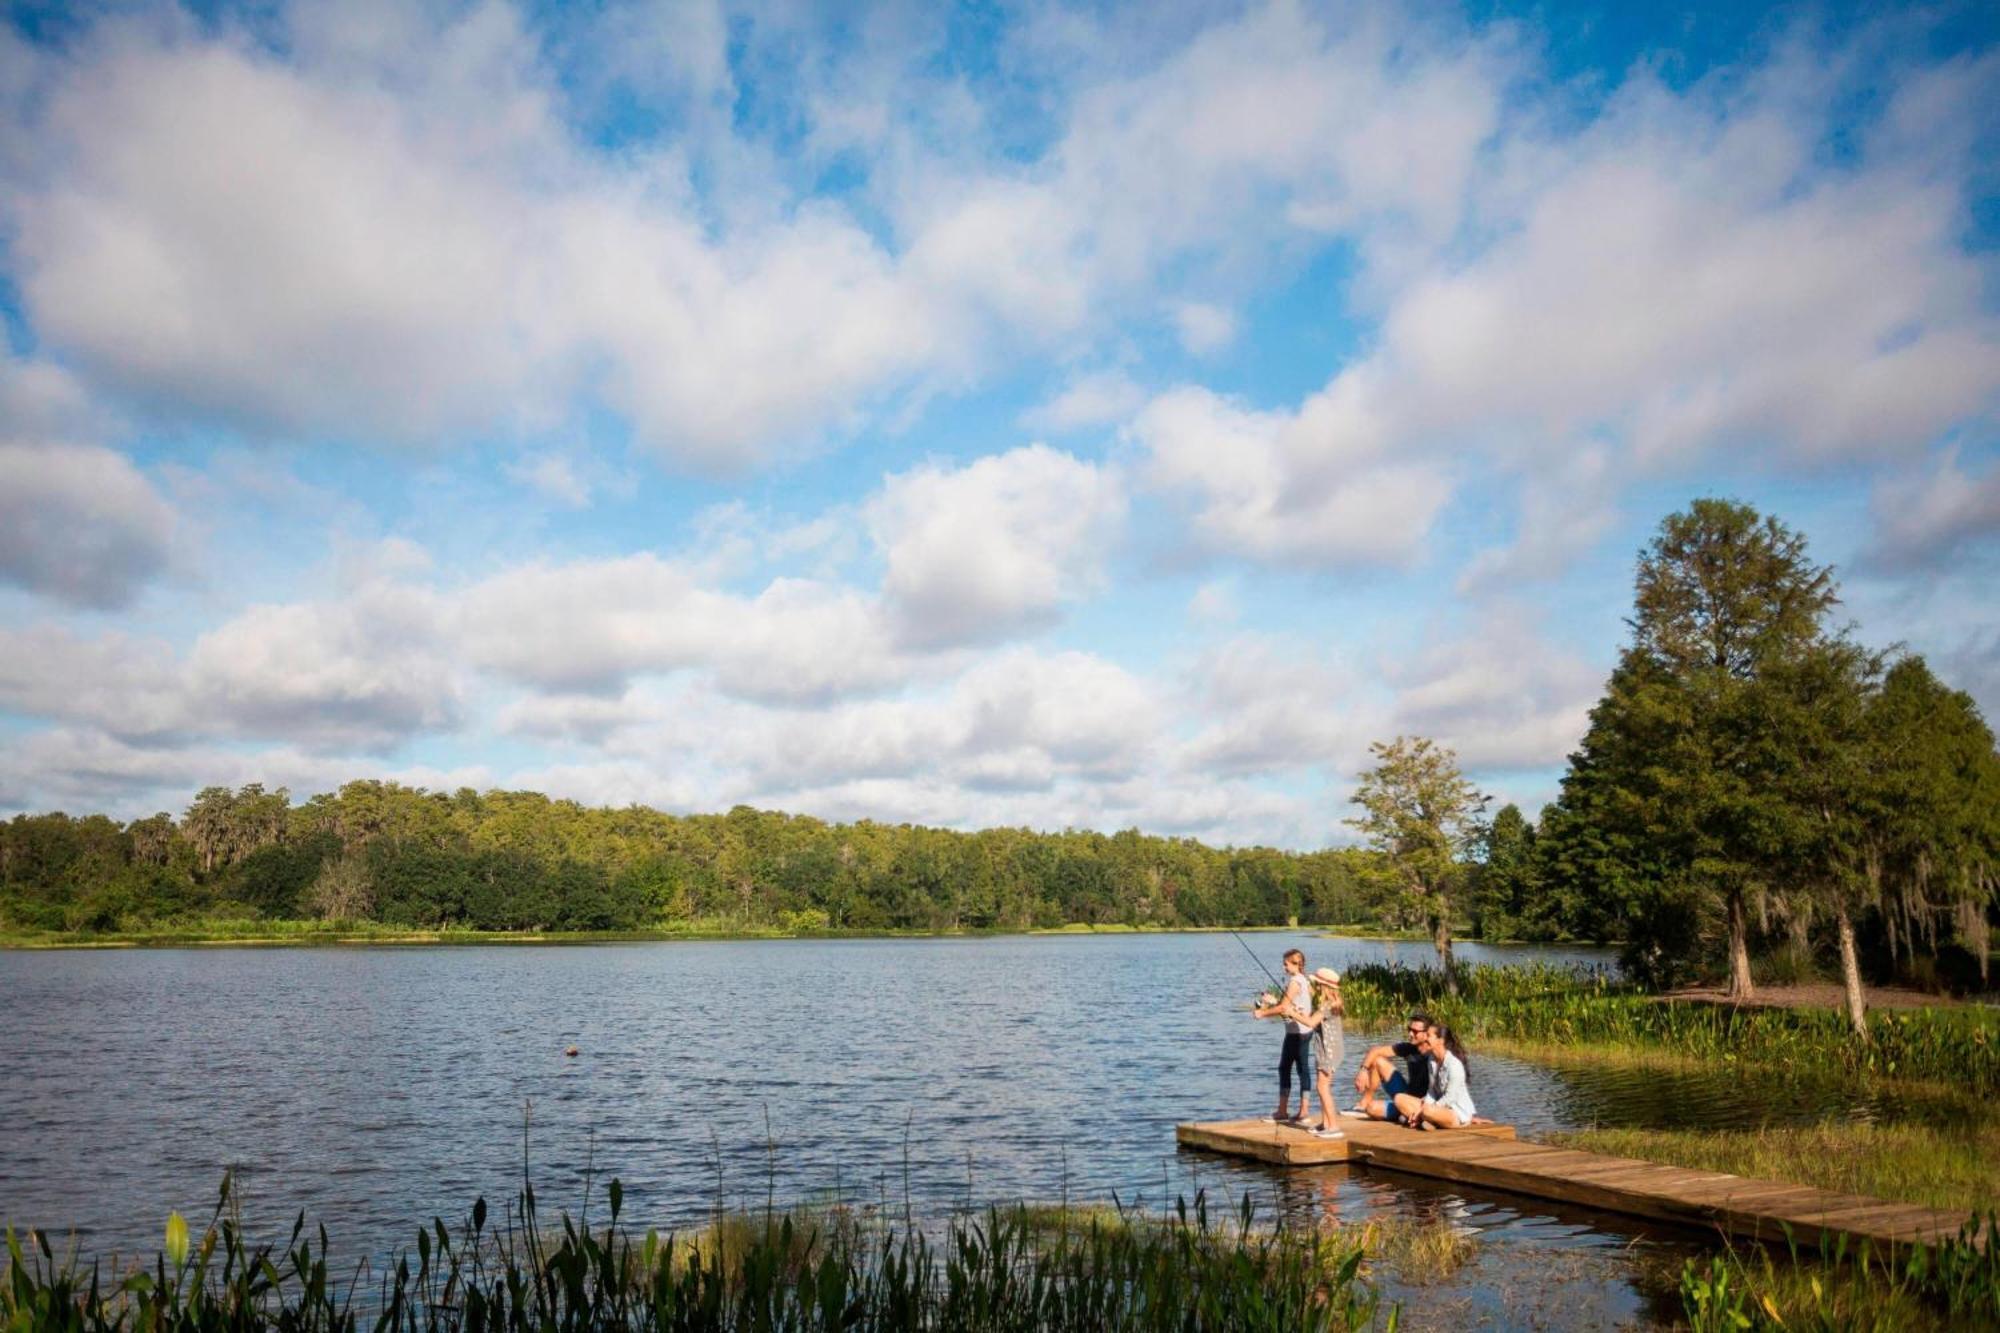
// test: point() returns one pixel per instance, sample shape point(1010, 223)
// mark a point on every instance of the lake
point(377, 1087)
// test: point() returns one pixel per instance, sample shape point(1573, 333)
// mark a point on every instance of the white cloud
point(554, 476)
point(1501, 694)
point(1567, 504)
point(122, 683)
point(979, 553)
point(1204, 328)
point(1314, 487)
point(1923, 518)
point(1275, 705)
point(1091, 400)
point(592, 626)
point(1214, 603)
point(363, 249)
point(362, 673)
point(80, 524)
point(40, 400)
point(1683, 274)
point(91, 772)
point(365, 672)
point(358, 242)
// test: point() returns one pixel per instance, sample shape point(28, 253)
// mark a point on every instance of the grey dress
point(1330, 1042)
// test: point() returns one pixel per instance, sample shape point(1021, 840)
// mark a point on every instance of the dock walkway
point(1489, 1156)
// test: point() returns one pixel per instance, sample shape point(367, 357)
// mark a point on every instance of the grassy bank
point(1956, 1169)
point(1551, 1012)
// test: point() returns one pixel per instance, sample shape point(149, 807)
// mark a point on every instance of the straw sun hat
point(1326, 976)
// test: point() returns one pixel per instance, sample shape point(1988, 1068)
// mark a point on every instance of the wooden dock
point(1489, 1156)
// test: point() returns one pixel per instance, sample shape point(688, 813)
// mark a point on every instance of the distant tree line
point(511, 860)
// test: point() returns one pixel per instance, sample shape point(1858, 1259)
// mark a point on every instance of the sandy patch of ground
point(1816, 995)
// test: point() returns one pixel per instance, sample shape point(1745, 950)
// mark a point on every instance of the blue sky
point(1055, 415)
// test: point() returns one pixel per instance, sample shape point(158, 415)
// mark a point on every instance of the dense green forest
point(520, 861)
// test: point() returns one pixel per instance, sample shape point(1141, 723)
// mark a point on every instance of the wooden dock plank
point(1490, 1156)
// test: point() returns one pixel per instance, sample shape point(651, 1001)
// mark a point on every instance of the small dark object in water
point(571, 1051)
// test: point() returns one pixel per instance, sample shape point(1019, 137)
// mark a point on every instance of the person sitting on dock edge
point(1448, 1103)
point(1295, 1006)
point(1379, 1082)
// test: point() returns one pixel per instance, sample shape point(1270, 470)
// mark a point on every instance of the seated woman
point(1448, 1102)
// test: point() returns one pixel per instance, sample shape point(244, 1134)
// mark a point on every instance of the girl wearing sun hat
point(1329, 1037)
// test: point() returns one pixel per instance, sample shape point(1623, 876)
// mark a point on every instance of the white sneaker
point(1328, 1134)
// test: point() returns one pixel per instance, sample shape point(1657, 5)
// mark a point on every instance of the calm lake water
point(378, 1087)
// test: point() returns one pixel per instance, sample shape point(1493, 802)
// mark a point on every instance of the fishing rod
point(1255, 959)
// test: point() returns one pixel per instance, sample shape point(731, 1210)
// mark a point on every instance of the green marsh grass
point(1002, 1272)
point(1547, 1008)
point(1953, 1168)
point(1955, 1285)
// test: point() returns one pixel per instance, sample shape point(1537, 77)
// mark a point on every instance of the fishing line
point(1255, 959)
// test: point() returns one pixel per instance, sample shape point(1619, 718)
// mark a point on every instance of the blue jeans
point(1298, 1051)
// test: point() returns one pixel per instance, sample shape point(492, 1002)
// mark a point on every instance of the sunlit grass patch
point(1419, 1252)
point(1956, 1168)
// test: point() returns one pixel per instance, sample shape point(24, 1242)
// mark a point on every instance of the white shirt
point(1448, 1087)
point(1298, 994)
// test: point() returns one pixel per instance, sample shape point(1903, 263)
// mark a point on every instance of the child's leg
point(1286, 1058)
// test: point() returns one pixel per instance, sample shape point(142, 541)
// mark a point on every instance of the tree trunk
point(1850, 974)
point(1441, 940)
point(1740, 985)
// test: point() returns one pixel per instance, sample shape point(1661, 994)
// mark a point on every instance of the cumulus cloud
point(1501, 694)
point(1204, 328)
point(361, 673)
point(592, 626)
point(1316, 487)
point(1925, 517)
point(978, 553)
point(365, 672)
point(1684, 273)
point(353, 249)
point(1275, 705)
point(79, 523)
point(352, 243)
point(1090, 400)
point(1689, 277)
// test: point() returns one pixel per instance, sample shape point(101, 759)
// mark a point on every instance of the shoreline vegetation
point(283, 933)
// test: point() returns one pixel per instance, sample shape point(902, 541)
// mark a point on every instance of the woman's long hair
point(1457, 1048)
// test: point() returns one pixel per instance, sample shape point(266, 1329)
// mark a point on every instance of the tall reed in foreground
point(1954, 1285)
point(1004, 1273)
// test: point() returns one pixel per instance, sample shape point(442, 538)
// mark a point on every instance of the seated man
point(1379, 1082)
